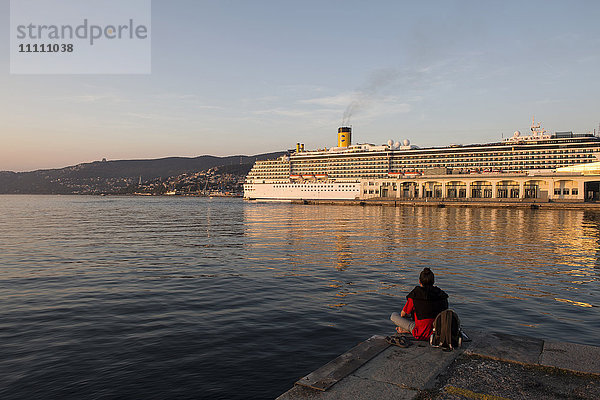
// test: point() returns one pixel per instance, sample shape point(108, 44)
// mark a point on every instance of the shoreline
point(530, 204)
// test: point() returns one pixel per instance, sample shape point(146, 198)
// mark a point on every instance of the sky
point(250, 77)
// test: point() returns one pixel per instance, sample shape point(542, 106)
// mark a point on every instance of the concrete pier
point(494, 203)
point(493, 366)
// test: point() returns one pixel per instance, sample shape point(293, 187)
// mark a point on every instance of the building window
point(557, 192)
point(531, 193)
point(566, 191)
point(574, 191)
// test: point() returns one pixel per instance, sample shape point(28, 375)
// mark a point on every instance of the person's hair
point(426, 277)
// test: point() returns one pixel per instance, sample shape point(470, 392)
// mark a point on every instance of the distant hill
point(98, 174)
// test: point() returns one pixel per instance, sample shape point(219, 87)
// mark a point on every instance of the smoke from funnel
point(378, 81)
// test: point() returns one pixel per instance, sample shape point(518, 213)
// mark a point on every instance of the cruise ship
point(400, 169)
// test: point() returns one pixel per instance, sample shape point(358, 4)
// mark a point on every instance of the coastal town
point(224, 180)
point(212, 182)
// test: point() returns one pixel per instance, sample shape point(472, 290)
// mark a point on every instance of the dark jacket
point(429, 301)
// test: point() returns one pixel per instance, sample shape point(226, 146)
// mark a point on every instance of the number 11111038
point(46, 48)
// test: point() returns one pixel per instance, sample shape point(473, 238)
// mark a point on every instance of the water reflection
point(530, 266)
point(591, 226)
point(343, 253)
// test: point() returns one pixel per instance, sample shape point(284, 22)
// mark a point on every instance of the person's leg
point(404, 325)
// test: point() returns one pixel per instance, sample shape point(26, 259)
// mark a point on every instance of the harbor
point(494, 366)
point(238, 200)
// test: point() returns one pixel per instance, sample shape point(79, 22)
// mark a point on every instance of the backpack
point(446, 331)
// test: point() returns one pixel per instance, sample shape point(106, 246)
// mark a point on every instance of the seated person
point(423, 303)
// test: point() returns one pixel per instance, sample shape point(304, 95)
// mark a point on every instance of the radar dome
point(390, 142)
point(406, 142)
point(517, 133)
point(397, 144)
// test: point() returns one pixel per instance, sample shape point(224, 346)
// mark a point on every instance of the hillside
point(108, 176)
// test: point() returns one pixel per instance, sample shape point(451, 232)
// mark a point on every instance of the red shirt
point(423, 327)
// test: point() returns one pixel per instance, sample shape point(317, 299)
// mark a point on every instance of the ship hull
point(302, 191)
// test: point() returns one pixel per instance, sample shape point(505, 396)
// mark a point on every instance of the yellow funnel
point(344, 136)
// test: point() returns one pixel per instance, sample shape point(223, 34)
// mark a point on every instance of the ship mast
point(536, 130)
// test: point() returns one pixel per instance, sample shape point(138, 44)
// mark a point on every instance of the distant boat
point(224, 194)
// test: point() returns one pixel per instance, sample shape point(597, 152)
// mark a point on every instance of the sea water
point(196, 298)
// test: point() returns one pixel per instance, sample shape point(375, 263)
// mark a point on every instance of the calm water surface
point(189, 298)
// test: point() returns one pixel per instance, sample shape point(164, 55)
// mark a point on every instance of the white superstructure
point(337, 173)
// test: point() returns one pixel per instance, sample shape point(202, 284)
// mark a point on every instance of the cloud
point(208, 107)
point(387, 108)
point(152, 117)
point(193, 100)
point(291, 112)
point(175, 96)
point(331, 106)
point(370, 95)
point(340, 100)
point(92, 98)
